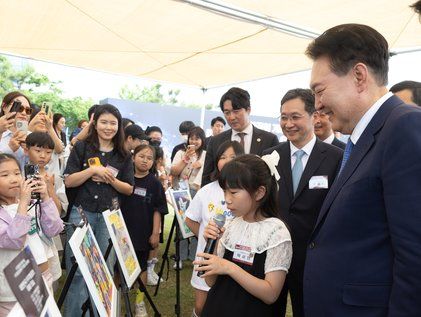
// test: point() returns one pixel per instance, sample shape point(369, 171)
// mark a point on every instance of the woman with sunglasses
point(14, 116)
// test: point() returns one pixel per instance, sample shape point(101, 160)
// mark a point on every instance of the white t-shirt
point(208, 202)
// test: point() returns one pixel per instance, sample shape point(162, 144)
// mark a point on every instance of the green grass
point(166, 297)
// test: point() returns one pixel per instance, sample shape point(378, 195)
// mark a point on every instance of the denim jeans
point(78, 291)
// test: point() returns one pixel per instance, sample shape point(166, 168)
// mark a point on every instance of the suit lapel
point(364, 144)
point(284, 168)
point(256, 141)
point(316, 158)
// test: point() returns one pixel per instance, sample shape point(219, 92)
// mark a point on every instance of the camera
point(32, 172)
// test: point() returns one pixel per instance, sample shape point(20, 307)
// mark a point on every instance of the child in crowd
point(187, 168)
point(39, 149)
point(247, 273)
point(159, 169)
point(142, 212)
point(208, 202)
point(21, 226)
point(101, 169)
point(187, 165)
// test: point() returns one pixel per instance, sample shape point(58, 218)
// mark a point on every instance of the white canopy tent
point(191, 42)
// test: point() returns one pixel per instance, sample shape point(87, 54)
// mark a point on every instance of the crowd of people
point(335, 226)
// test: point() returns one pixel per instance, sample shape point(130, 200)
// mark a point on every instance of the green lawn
point(166, 298)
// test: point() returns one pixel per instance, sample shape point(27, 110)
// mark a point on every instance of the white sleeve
point(194, 211)
point(198, 179)
point(279, 257)
point(178, 157)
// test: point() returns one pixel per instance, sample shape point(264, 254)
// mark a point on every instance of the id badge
point(318, 182)
point(113, 170)
point(243, 254)
point(140, 191)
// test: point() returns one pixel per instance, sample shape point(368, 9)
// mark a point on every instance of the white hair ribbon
point(272, 161)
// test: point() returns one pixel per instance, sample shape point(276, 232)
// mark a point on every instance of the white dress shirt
point(329, 139)
point(247, 138)
point(307, 150)
point(365, 120)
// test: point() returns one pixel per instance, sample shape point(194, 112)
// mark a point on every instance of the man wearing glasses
point(307, 168)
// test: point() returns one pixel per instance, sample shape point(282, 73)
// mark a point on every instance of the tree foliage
point(152, 94)
point(38, 87)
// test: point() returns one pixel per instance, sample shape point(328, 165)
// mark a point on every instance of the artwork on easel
point(95, 271)
point(28, 286)
point(181, 200)
point(122, 245)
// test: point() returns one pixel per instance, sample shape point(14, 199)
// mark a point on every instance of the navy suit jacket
point(260, 141)
point(364, 255)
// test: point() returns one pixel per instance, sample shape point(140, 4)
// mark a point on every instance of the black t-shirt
point(93, 196)
point(138, 209)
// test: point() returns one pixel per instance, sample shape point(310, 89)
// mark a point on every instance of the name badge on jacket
point(318, 182)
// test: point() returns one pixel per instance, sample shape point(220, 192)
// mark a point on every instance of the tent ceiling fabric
point(176, 42)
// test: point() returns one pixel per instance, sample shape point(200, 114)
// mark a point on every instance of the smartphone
point(46, 107)
point(94, 161)
point(22, 126)
point(191, 146)
point(32, 172)
point(15, 107)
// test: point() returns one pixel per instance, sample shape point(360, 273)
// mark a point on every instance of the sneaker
point(151, 279)
point(140, 310)
point(156, 276)
point(180, 265)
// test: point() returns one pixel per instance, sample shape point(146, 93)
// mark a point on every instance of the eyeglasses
point(293, 118)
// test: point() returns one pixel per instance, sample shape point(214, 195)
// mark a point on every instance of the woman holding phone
point(101, 169)
point(14, 116)
point(187, 165)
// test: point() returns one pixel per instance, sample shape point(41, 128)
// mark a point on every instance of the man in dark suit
point(307, 168)
point(364, 255)
point(218, 125)
point(323, 130)
point(409, 91)
point(235, 104)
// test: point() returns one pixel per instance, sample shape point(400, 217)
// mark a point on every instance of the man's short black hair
point(304, 94)
point(413, 86)
point(218, 119)
point(40, 139)
point(348, 44)
point(239, 98)
point(153, 128)
point(186, 126)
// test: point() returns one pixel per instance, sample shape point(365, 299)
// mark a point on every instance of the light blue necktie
point(297, 169)
point(347, 154)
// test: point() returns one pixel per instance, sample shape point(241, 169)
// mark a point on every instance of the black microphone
point(219, 220)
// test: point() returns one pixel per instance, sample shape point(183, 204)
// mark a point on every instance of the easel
point(125, 289)
point(165, 259)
